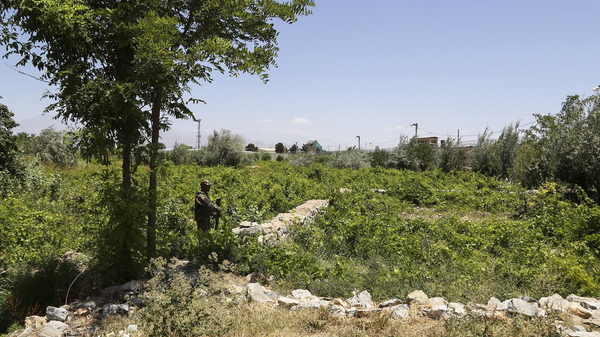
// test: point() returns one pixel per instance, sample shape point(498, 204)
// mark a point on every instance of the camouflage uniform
point(203, 210)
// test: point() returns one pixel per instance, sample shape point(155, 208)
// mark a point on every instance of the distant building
point(314, 146)
point(432, 141)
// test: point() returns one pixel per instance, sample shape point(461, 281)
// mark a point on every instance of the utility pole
point(358, 142)
point(416, 125)
point(198, 138)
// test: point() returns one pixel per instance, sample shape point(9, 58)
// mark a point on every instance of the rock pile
point(83, 318)
point(580, 310)
point(277, 229)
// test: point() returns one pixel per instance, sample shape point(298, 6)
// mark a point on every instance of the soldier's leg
point(203, 225)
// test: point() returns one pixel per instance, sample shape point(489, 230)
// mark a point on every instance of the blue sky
point(371, 69)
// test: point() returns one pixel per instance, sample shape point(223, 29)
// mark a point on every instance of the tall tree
point(123, 67)
point(279, 148)
point(9, 153)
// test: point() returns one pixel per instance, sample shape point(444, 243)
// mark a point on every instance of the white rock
point(287, 302)
point(519, 306)
point(457, 309)
point(400, 311)
point(256, 293)
point(58, 325)
point(302, 295)
point(438, 304)
point(418, 297)
point(362, 300)
point(390, 303)
point(493, 303)
point(337, 311)
point(554, 303)
point(583, 334)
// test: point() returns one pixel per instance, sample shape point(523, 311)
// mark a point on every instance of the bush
point(279, 158)
point(452, 156)
point(350, 159)
point(223, 148)
point(265, 157)
point(303, 160)
point(56, 147)
point(403, 156)
point(180, 154)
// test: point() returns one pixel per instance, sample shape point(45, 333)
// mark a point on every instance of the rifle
point(218, 203)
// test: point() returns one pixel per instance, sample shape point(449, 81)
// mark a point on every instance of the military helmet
point(205, 183)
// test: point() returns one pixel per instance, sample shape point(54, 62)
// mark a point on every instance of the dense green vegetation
point(460, 235)
point(452, 222)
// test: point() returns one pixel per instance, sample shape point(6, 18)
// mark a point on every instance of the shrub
point(180, 154)
point(56, 147)
point(223, 148)
point(350, 159)
point(279, 158)
point(303, 160)
point(452, 156)
point(265, 157)
point(403, 155)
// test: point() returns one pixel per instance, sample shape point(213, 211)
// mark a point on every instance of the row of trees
point(279, 148)
point(562, 147)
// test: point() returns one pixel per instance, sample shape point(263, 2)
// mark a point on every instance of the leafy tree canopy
point(9, 154)
point(279, 148)
point(251, 147)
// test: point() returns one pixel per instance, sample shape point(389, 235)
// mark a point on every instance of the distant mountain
point(38, 123)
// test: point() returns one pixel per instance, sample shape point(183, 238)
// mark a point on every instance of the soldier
point(204, 208)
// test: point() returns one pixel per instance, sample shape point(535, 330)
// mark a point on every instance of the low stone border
point(278, 228)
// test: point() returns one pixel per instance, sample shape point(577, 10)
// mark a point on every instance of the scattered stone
point(113, 294)
point(287, 302)
point(418, 297)
point(519, 306)
point(457, 309)
point(302, 295)
point(56, 314)
point(339, 302)
point(114, 309)
point(390, 303)
point(256, 293)
point(400, 311)
point(35, 322)
point(362, 300)
point(133, 286)
point(578, 310)
point(337, 311)
point(584, 334)
point(50, 331)
point(58, 325)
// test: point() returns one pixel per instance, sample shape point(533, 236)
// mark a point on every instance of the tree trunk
point(156, 105)
point(126, 166)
